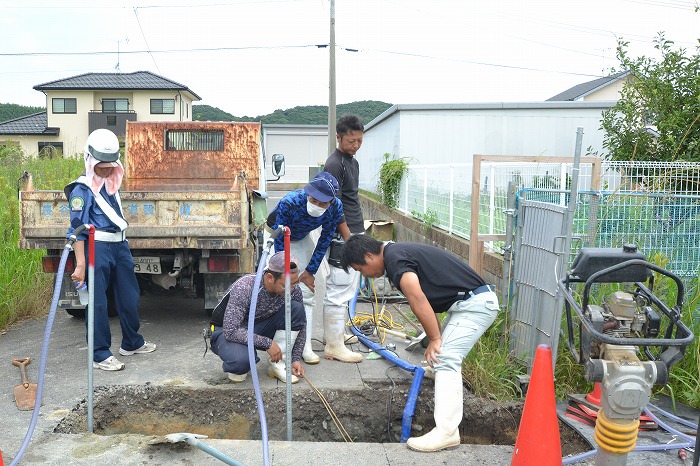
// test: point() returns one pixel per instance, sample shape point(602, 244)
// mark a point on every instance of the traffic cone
point(538, 434)
point(1, 461)
point(594, 396)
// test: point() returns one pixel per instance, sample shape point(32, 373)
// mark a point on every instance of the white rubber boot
point(237, 378)
point(448, 414)
point(334, 327)
point(278, 370)
point(308, 355)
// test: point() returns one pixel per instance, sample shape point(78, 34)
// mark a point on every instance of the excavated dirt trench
point(370, 415)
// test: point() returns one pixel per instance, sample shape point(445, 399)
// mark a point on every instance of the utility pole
point(331, 85)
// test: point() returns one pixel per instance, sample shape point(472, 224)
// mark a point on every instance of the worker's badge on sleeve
point(76, 204)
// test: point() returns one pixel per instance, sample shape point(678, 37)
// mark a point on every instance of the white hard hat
point(103, 145)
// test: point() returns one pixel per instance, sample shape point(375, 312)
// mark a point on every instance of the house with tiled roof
point(78, 105)
point(607, 88)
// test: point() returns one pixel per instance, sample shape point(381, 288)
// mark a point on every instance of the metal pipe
point(213, 452)
point(193, 439)
point(90, 316)
point(566, 231)
point(288, 328)
point(418, 372)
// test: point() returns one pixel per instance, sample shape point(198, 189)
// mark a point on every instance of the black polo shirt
point(346, 170)
point(442, 275)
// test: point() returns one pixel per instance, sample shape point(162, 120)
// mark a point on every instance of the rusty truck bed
point(157, 220)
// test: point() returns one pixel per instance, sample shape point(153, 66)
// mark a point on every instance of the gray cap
point(276, 263)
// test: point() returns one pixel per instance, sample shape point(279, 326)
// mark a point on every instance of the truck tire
point(77, 313)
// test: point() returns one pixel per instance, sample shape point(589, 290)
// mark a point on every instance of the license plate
point(147, 265)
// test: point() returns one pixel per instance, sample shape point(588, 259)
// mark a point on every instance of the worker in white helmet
point(94, 199)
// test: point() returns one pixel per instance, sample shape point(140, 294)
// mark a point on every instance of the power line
point(678, 4)
point(220, 49)
point(146, 41)
point(205, 49)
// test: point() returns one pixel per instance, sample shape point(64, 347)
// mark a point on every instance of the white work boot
point(334, 327)
point(308, 355)
point(278, 370)
point(448, 414)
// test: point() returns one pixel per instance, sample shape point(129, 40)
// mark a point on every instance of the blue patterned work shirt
point(291, 212)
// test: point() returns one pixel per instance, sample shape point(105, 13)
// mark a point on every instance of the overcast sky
point(251, 57)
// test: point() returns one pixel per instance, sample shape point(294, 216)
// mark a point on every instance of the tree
point(367, 110)
point(657, 115)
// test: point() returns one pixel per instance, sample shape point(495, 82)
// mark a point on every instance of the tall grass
point(25, 290)
point(489, 370)
point(684, 377)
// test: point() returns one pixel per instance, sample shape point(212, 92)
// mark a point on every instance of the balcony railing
point(113, 121)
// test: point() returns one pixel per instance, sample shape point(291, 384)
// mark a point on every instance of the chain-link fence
point(439, 195)
point(655, 205)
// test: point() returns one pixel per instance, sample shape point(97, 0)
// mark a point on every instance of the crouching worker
point(433, 281)
point(229, 339)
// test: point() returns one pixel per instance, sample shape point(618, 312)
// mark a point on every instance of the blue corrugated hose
point(418, 372)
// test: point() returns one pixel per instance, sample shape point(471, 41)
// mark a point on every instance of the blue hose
point(251, 357)
point(673, 417)
point(418, 373)
point(45, 348)
point(44, 351)
point(689, 441)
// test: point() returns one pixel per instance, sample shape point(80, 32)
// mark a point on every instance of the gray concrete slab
point(175, 323)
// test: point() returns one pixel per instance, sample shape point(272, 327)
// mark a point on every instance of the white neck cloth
point(112, 183)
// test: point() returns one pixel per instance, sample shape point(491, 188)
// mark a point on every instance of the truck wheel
point(77, 313)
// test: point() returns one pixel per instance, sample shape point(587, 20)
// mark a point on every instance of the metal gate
point(535, 310)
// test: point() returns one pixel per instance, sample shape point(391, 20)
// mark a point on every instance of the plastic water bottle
point(82, 293)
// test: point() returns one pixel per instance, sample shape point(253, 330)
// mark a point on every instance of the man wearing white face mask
point(303, 211)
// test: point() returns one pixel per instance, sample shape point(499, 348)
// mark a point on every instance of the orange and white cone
point(538, 436)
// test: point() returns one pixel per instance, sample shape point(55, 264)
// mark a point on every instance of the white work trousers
point(303, 249)
point(466, 321)
point(341, 286)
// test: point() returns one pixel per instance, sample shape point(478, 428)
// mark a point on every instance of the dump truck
point(194, 197)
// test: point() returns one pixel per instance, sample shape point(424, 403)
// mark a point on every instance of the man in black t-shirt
point(433, 281)
point(342, 284)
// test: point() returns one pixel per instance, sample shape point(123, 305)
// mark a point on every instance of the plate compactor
point(627, 342)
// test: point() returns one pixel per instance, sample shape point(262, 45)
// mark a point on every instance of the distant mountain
point(367, 110)
point(12, 111)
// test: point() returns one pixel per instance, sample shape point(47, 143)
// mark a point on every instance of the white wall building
point(304, 147)
point(452, 133)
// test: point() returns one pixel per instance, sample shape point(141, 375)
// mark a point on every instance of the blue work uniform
point(113, 262)
point(291, 212)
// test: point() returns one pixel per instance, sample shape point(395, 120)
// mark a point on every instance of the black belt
point(476, 291)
